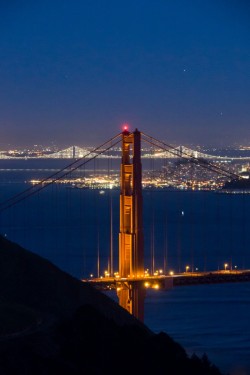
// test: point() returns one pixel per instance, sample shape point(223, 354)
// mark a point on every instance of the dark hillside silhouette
point(52, 323)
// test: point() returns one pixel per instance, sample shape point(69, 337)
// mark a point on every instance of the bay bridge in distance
point(76, 152)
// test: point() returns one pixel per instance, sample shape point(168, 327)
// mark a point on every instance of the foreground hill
point(52, 323)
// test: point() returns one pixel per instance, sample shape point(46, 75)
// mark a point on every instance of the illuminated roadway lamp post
point(131, 291)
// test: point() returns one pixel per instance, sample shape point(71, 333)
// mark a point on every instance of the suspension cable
point(203, 163)
point(52, 178)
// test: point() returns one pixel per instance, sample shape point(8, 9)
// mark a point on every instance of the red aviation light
point(125, 128)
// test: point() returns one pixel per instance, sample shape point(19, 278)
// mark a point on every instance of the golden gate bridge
point(132, 279)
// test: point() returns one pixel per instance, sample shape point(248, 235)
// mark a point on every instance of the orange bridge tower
point(131, 247)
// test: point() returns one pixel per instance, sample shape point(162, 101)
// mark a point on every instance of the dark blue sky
point(73, 71)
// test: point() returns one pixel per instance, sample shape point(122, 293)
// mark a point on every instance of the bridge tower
point(131, 247)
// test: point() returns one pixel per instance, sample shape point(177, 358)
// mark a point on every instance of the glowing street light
point(225, 265)
point(106, 273)
point(187, 268)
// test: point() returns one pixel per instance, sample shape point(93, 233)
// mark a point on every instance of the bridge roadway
point(170, 281)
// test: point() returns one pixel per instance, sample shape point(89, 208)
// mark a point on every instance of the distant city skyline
point(72, 73)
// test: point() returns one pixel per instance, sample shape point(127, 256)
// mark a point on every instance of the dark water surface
point(212, 319)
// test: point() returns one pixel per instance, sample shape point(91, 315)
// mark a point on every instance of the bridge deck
point(167, 281)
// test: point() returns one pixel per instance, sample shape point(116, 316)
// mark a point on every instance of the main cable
point(203, 163)
point(47, 181)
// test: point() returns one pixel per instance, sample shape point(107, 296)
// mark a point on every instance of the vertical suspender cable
point(70, 210)
point(111, 217)
point(110, 254)
point(98, 252)
point(97, 226)
point(179, 241)
point(84, 226)
point(191, 230)
point(165, 251)
point(165, 224)
point(231, 231)
point(243, 235)
point(179, 235)
point(204, 242)
point(217, 220)
point(152, 242)
point(192, 218)
point(111, 235)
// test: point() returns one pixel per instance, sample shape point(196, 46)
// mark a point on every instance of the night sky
point(73, 71)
